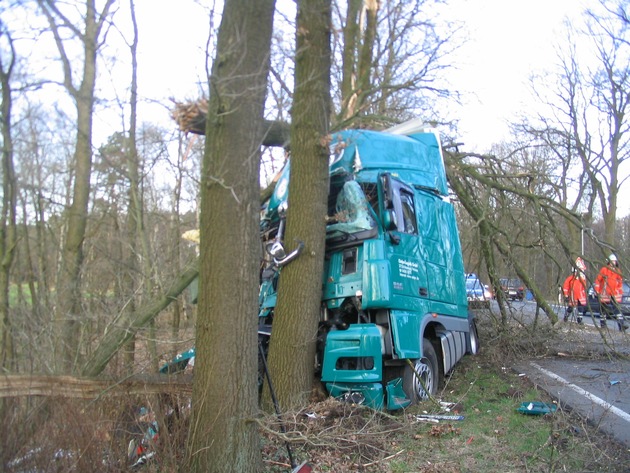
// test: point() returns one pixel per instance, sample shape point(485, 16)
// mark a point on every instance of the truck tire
point(427, 368)
point(472, 343)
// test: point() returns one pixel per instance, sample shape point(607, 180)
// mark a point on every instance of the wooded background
point(93, 266)
point(91, 232)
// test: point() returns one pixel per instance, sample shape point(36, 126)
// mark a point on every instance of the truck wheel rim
point(424, 371)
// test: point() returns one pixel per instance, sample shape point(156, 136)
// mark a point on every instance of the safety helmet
point(579, 264)
point(612, 258)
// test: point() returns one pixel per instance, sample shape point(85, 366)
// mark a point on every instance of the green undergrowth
point(495, 436)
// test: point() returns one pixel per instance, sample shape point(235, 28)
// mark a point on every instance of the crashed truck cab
point(394, 317)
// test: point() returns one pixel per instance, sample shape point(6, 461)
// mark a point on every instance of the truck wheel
point(472, 344)
point(427, 368)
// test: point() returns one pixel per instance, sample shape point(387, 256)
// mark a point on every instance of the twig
point(384, 459)
point(286, 465)
point(420, 380)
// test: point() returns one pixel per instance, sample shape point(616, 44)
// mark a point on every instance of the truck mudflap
point(396, 397)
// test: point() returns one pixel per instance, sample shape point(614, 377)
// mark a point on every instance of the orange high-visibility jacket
point(574, 289)
point(609, 283)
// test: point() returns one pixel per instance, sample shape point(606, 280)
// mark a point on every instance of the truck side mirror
point(390, 221)
point(276, 250)
point(280, 256)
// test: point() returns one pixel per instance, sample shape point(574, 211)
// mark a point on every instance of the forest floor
point(493, 435)
point(342, 437)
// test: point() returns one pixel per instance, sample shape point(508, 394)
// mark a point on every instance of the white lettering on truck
point(408, 269)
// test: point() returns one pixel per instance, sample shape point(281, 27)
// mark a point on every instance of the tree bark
point(222, 437)
point(8, 222)
point(68, 308)
point(292, 346)
point(191, 118)
point(351, 41)
point(135, 221)
point(359, 41)
point(15, 386)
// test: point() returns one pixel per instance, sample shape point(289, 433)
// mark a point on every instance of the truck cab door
point(399, 218)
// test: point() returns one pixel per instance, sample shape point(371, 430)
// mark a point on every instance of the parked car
point(478, 294)
point(593, 305)
point(512, 288)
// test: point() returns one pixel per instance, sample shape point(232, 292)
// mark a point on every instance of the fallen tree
point(191, 118)
point(126, 325)
point(89, 388)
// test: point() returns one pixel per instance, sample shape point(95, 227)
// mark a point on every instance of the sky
point(509, 40)
point(172, 47)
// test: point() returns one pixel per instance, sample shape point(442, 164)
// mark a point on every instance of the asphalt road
point(598, 389)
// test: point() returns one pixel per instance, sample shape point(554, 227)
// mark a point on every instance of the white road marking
point(609, 407)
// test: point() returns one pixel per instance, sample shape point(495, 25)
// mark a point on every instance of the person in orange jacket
point(574, 290)
point(609, 289)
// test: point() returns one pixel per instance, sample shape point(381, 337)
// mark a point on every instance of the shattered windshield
point(352, 211)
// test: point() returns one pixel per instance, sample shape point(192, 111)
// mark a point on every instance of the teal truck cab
point(394, 313)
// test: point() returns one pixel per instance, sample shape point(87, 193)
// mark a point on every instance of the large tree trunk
point(135, 221)
point(68, 307)
point(359, 35)
point(222, 436)
point(8, 222)
point(292, 348)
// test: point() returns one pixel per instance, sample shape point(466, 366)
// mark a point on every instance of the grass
point(337, 437)
point(496, 437)
point(493, 436)
point(20, 294)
